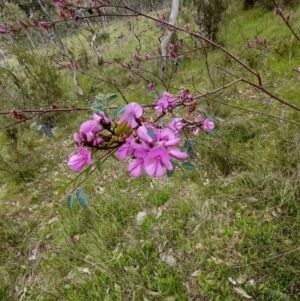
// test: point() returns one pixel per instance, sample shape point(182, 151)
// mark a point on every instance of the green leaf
point(171, 172)
point(38, 127)
point(185, 175)
point(60, 189)
point(81, 197)
point(119, 110)
point(219, 119)
point(110, 98)
point(48, 131)
point(208, 116)
point(188, 165)
point(70, 201)
point(76, 180)
point(215, 133)
point(187, 148)
point(62, 179)
point(115, 157)
point(99, 166)
point(98, 108)
point(33, 124)
point(87, 172)
point(100, 97)
point(150, 132)
point(187, 144)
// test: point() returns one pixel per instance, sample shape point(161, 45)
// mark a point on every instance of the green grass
point(230, 229)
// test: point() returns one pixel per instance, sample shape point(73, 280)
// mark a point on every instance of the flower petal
point(135, 168)
point(177, 154)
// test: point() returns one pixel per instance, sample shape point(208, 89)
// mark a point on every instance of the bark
point(167, 37)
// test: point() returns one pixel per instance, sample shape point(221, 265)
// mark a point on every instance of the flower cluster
point(148, 146)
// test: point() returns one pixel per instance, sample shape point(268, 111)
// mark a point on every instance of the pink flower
point(158, 158)
point(186, 27)
point(257, 41)
point(248, 44)
point(298, 69)
point(101, 118)
point(143, 134)
point(186, 95)
point(165, 103)
point(135, 167)
point(277, 11)
point(132, 112)
point(77, 138)
point(178, 154)
point(162, 19)
point(89, 129)
point(97, 141)
point(288, 17)
point(151, 87)
point(126, 149)
point(77, 162)
point(168, 138)
point(195, 131)
point(180, 43)
point(199, 119)
point(208, 125)
point(176, 124)
point(147, 56)
point(136, 56)
point(172, 55)
point(42, 24)
point(2, 29)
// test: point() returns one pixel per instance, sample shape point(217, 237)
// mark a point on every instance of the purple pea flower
point(147, 56)
point(2, 29)
point(186, 27)
point(126, 149)
point(77, 138)
point(158, 157)
point(199, 119)
point(166, 102)
point(89, 129)
point(176, 124)
point(101, 118)
point(248, 44)
point(168, 138)
point(143, 134)
point(97, 141)
point(151, 87)
point(77, 162)
point(208, 125)
point(135, 167)
point(277, 11)
point(196, 131)
point(178, 154)
point(136, 56)
point(132, 112)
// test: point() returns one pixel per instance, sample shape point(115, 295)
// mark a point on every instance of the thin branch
point(267, 259)
point(256, 112)
point(286, 21)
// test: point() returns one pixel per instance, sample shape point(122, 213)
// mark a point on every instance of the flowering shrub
point(150, 147)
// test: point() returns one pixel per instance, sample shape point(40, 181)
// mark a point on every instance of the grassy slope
point(225, 222)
